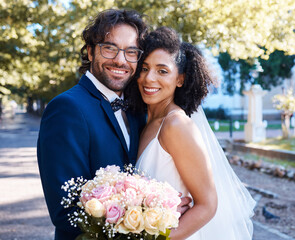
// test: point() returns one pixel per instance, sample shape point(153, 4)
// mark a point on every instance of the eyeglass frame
point(120, 49)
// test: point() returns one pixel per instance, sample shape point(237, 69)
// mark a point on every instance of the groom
point(89, 126)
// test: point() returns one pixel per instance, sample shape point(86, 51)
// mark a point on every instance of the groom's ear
point(180, 80)
point(89, 51)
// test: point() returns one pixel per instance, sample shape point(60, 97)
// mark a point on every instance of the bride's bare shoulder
point(178, 124)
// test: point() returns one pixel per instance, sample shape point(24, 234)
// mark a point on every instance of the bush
point(216, 113)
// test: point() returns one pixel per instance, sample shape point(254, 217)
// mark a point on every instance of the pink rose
point(120, 186)
point(130, 182)
point(152, 188)
point(85, 196)
point(151, 200)
point(171, 200)
point(132, 197)
point(171, 203)
point(103, 193)
point(114, 212)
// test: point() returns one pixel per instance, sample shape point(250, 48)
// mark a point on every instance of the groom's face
point(115, 73)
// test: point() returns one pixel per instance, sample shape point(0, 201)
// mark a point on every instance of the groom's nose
point(120, 58)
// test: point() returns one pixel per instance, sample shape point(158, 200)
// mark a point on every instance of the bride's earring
point(180, 80)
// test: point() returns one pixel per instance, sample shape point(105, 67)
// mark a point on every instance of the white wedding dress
point(235, 204)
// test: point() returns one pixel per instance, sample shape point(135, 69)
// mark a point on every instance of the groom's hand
point(184, 205)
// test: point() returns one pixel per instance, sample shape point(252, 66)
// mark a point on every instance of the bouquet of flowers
point(122, 205)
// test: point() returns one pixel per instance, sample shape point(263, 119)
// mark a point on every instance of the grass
point(274, 143)
point(275, 161)
point(278, 143)
point(275, 126)
point(224, 125)
point(270, 143)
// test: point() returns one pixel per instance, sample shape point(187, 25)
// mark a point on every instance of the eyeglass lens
point(111, 51)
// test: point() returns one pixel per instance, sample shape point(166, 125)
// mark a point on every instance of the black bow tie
point(119, 103)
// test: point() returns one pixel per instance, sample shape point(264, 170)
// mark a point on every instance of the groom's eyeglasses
point(110, 51)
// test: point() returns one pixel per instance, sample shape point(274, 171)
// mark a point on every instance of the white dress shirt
point(111, 96)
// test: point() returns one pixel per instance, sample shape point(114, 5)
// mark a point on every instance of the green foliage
point(278, 143)
point(224, 125)
point(40, 39)
point(89, 236)
point(86, 236)
point(241, 28)
point(230, 70)
point(219, 113)
point(36, 53)
point(275, 69)
point(164, 236)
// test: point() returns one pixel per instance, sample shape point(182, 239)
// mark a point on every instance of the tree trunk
point(41, 107)
point(285, 125)
point(1, 107)
point(30, 105)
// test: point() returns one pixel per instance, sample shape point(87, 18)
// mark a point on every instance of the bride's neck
point(159, 111)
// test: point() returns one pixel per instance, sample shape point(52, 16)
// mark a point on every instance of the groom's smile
point(117, 72)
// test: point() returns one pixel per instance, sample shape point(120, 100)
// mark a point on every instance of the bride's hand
point(184, 205)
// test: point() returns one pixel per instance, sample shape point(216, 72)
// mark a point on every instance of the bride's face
point(159, 78)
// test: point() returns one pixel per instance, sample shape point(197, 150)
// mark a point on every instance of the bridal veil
point(235, 204)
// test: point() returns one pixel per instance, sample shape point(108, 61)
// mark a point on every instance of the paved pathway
point(23, 213)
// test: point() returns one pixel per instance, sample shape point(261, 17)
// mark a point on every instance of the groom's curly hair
point(189, 61)
point(98, 28)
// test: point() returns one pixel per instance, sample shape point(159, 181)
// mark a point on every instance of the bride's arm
point(181, 139)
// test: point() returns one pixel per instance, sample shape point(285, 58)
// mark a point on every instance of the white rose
point(132, 221)
point(152, 219)
point(88, 186)
point(95, 208)
point(169, 220)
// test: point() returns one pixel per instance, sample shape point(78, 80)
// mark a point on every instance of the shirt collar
point(108, 93)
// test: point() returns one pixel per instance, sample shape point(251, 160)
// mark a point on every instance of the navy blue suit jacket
point(79, 133)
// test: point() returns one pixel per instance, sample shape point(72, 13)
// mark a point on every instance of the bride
point(183, 151)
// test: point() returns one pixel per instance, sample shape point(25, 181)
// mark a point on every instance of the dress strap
point(175, 110)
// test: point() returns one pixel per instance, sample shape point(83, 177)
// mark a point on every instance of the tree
point(16, 42)
point(29, 45)
point(285, 103)
point(40, 43)
point(275, 69)
point(40, 39)
point(244, 29)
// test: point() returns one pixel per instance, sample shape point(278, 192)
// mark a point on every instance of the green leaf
point(86, 236)
point(40, 40)
point(164, 236)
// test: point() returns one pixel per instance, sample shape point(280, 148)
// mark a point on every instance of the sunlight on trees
point(40, 39)
point(285, 103)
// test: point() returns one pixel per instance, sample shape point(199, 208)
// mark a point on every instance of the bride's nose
point(150, 76)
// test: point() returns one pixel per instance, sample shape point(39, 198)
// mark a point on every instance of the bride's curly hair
point(189, 60)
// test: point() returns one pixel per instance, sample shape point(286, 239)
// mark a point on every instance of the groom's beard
point(115, 84)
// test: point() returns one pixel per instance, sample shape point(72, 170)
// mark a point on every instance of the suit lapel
point(108, 110)
point(133, 138)
point(106, 106)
